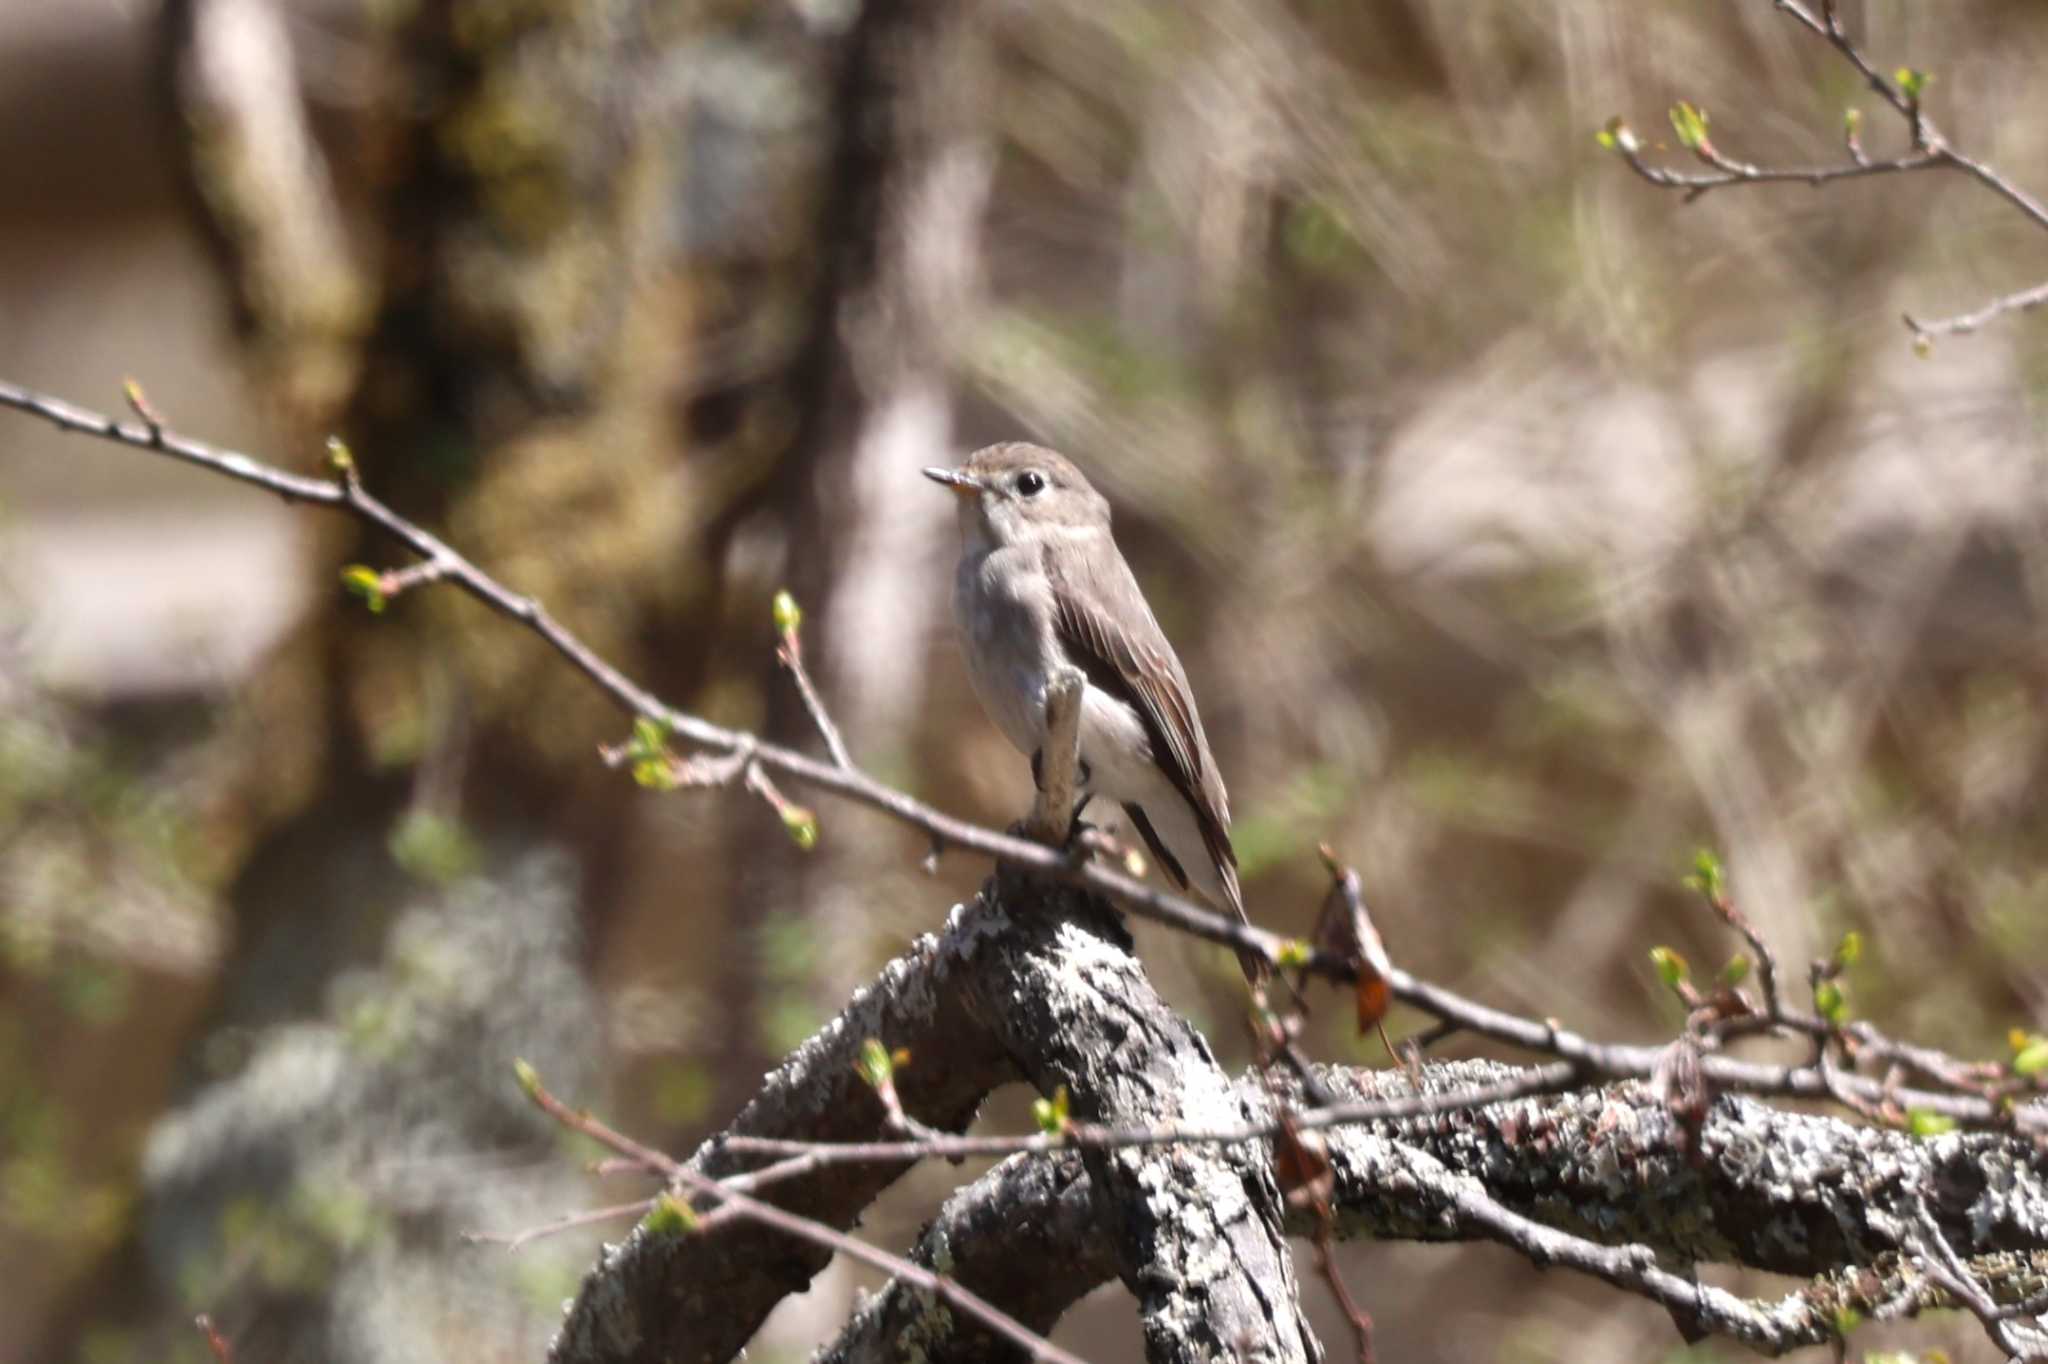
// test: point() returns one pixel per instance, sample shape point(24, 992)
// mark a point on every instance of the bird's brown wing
point(1109, 632)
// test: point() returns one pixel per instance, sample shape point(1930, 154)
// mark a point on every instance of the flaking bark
point(1799, 1194)
point(671, 1299)
point(1039, 982)
point(1050, 991)
point(1025, 1234)
point(1196, 1228)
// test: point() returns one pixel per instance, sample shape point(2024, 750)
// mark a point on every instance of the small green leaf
point(340, 459)
point(1852, 120)
point(1737, 969)
point(528, 1077)
point(1296, 954)
point(789, 617)
point(1922, 1122)
point(1690, 123)
point(648, 753)
point(802, 826)
point(360, 580)
point(1847, 1319)
point(1707, 876)
point(1912, 83)
point(2031, 1059)
point(1617, 136)
point(1829, 1001)
point(671, 1216)
point(1671, 968)
point(875, 1065)
point(1051, 1115)
point(656, 773)
point(1850, 950)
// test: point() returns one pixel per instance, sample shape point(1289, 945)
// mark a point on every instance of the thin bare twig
point(1963, 323)
point(732, 1201)
point(1931, 150)
point(1766, 960)
point(1542, 1037)
point(1946, 1269)
point(1088, 1136)
point(1828, 24)
point(594, 1127)
point(639, 1207)
point(347, 494)
point(401, 580)
point(1634, 1269)
point(1729, 171)
point(1881, 1111)
point(790, 653)
point(1034, 1345)
point(1358, 1318)
point(796, 818)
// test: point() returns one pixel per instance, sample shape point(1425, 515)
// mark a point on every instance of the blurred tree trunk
point(902, 225)
point(485, 268)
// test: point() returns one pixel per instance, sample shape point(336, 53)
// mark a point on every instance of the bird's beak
point(963, 485)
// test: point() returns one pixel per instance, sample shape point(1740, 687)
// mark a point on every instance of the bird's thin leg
point(1038, 775)
point(1038, 783)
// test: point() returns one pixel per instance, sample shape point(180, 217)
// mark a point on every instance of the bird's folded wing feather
point(1109, 632)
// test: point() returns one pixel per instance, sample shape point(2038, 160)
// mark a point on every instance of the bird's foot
point(1082, 838)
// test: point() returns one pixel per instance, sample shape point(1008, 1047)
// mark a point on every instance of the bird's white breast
point(1002, 605)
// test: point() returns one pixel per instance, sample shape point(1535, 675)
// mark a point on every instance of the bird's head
point(1014, 492)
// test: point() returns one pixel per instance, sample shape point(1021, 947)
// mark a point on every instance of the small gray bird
point(1040, 583)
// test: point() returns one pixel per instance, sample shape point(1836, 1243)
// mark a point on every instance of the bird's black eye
point(1030, 483)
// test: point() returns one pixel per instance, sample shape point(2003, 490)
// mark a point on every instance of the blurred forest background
point(1522, 528)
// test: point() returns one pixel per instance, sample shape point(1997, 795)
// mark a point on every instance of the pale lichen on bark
point(1039, 983)
point(702, 1298)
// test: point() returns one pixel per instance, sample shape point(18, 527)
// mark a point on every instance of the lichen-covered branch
point(1595, 1181)
point(1034, 1211)
point(1029, 979)
point(665, 1298)
point(1196, 1228)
